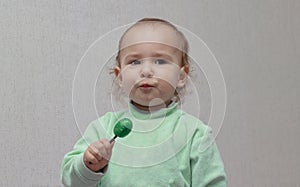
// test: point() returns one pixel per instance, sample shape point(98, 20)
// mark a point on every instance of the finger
point(90, 158)
point(112, 144)
point(106, 143)
point(95, 151)
point(108, 148)
point(103, 151)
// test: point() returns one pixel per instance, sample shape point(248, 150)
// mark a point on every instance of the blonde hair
point(184, 48)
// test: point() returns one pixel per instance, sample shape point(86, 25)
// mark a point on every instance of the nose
point(146, 70)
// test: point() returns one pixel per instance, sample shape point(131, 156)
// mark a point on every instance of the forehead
point(151, 33)
point(149, 49)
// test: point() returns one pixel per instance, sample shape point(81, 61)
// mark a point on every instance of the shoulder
point(191, 131)
point(198, 126)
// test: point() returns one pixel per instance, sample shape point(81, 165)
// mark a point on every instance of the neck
point(151, 108)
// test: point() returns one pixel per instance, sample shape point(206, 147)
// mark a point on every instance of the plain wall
point(256, 43)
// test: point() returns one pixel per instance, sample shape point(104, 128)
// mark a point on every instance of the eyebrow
point(155, 54)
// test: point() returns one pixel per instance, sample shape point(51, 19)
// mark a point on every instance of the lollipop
point(122, 128)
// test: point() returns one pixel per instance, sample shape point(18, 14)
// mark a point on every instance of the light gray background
point(256, 42)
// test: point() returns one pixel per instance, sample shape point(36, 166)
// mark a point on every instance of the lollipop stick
point(113, 139)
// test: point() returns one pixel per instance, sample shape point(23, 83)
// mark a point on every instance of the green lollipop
point(122, 128)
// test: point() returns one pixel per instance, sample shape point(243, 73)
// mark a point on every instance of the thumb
point(112, 144)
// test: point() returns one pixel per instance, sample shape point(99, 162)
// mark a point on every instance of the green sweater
point(165, 148)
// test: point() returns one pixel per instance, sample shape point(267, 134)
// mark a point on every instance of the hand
point(97, 155)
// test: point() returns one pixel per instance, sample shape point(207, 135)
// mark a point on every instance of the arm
point(207, 165)
point(74, 171)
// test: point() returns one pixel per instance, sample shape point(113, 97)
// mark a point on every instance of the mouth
point(146, 86)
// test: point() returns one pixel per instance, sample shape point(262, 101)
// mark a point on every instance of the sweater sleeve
point(73, 171)
point(206, 163)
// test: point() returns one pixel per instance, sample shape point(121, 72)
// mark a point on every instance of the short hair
point(184, 48)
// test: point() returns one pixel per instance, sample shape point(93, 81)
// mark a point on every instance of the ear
point(183, 74)
point(117, 72)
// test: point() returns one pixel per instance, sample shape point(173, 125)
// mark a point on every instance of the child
point(167, 147)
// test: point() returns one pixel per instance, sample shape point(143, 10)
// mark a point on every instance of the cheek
point(168, 84)
point(170, 78)
point(128, 81)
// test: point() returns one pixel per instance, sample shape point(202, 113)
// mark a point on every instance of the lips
point(146, 86)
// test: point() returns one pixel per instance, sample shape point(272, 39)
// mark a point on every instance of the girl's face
point(150, 65)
